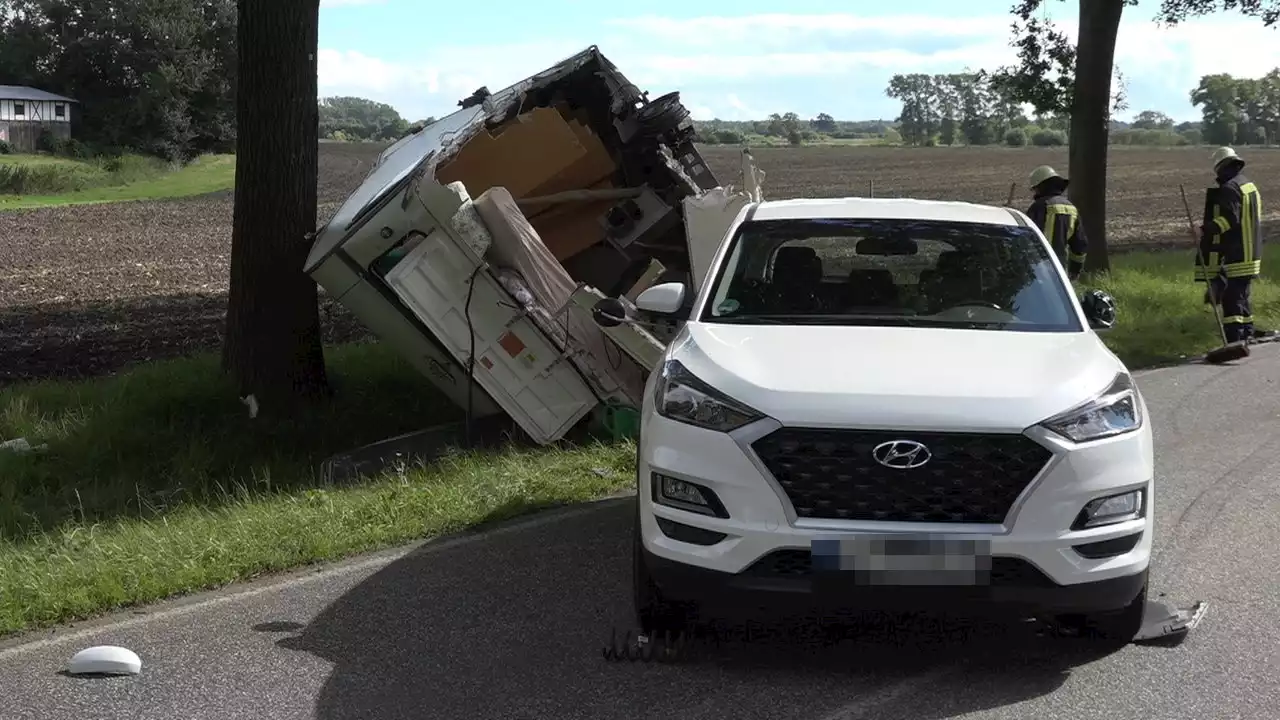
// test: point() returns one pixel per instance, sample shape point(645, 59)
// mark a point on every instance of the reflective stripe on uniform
point(1250, 218)
point(1051, 214)
point(1243, 269)
point(1237, 319)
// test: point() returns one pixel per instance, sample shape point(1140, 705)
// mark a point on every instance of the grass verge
point(156, 483)
point(1161, 314)
point(133, 179)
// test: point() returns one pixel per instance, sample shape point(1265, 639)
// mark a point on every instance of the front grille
point(1005, 571)
point(831, 474)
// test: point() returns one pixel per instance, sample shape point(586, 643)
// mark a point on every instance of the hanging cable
point(471, 355)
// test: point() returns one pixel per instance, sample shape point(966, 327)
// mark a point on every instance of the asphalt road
point(509, 624)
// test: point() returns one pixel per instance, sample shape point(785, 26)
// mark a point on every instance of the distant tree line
point(790, 128)
point(974, 109)
point(1239, 111)
point(359, 119)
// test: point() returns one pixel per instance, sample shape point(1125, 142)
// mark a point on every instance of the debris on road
point(1162, 621)
point(105, 660)
point(20, 445)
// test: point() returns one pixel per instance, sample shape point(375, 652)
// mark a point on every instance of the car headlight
point(1113, 412)
point(681, 396)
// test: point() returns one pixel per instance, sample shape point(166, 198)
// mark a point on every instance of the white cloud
point(727, 66)
point(339, 3)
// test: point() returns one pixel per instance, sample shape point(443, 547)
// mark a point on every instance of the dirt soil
point(91, 289)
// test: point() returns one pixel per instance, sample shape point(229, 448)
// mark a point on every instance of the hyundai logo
point(901, 454)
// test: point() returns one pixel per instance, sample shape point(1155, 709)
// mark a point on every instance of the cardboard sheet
point(517, 246)
point(521, 155)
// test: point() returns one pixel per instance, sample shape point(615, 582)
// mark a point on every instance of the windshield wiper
point(754, 319)
point(812, 319)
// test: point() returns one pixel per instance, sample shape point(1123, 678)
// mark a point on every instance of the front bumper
point(762, 546)
point(1016, 587)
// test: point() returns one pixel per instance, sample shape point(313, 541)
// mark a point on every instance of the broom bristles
point(1227, 353)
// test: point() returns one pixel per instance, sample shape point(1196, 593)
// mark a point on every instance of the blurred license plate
point(904, 559)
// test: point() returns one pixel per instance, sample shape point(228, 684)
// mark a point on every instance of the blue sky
point(745, 62)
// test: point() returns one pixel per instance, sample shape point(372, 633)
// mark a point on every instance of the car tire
point(654, 613)
point(1116, 627)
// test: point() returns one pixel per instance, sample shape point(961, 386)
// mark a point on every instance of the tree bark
point(273, 347)
point(1090, 123)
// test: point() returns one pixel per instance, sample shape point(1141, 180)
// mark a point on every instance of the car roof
point(884, 208)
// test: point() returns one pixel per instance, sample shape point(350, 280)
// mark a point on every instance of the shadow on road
point(513, 627)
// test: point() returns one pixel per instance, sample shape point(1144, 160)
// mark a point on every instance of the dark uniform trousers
point(1058, 219)
point(1232, 250)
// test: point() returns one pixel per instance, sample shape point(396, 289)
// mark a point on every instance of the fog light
point(1112, 509)
point(684, 495)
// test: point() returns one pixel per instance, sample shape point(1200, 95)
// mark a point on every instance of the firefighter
point(1057, 218)
point(1231, 246)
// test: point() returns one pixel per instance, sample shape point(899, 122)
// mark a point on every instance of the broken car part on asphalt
point(479, 246)
point(105, 660)
point(1160, 622)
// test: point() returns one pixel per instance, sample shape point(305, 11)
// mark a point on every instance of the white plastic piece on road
point(105, 660)
point(1160, 620)
point(251, 402)
point(20, 445)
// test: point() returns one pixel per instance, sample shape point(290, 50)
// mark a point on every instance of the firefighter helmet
point(1042, 173)
point(1223, 154)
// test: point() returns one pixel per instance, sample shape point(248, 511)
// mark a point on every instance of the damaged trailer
point(479, 246)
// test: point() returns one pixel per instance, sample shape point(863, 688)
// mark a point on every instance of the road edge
point(373, 560)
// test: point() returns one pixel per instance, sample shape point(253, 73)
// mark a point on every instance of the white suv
point(892, 404)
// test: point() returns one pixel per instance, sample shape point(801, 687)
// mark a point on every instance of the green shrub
point(1049, 138)
point(1016, 137)
point(46, 142)
point(728, 137)
point(55, 177)
point(5, 147)
point(1192, 136)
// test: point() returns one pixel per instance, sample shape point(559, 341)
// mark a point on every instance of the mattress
point(527, 266)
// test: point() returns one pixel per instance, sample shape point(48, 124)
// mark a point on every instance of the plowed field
point(90, 289)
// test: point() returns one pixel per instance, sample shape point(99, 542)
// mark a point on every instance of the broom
point(1228, 351)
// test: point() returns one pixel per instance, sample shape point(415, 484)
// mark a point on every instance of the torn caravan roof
point(490, 234)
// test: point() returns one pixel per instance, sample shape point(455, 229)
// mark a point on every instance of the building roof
point(897, 208)
point(20, 92)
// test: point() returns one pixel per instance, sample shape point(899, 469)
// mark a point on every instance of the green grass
point(1161, 314)
point(51, 175)
point(52, 182)
point(156, 482)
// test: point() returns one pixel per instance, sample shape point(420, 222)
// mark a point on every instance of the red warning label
point(512, 344)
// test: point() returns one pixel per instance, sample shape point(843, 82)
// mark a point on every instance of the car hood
point(907, 378)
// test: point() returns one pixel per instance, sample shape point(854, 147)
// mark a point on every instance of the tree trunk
point(272, 347)
point(1090, 121)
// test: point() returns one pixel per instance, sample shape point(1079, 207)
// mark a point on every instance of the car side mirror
point(664, 299)
point(609, 312)
point(1099, 309)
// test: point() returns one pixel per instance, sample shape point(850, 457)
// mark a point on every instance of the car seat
point(869, 287)
point(952, 280)
point(797, 275)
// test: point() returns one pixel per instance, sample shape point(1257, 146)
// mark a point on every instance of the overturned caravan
point(479, 246)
